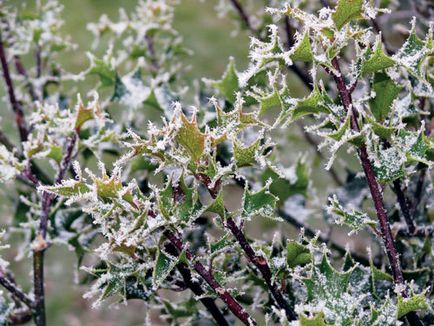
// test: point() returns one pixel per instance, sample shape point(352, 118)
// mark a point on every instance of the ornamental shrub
point(296, 191)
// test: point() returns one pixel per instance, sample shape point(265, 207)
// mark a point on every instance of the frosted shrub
point(150, 198)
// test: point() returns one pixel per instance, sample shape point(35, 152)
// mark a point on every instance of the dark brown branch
point(419, 232)
point(38, 287)
point(403, 204)
point(16, 106)
point(262, 265)
point(40, 243)
point(375, 190)
point(243, 15)
point(223, 294)
point(374, 187)
point(196, 288)
point(257, 260)
point(23, 72)
point(16, 292)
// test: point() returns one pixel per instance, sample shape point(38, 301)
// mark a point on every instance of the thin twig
point(419, 232)
point(15, 290)
point(403, 204)
point(374, 188)
point(16, 106)
point(259, 261)
point(196, 288)
point(23, 72)
point(243, 15)
point(40, 243)
point(223, 294)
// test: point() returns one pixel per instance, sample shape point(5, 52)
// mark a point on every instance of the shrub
point(170, 201)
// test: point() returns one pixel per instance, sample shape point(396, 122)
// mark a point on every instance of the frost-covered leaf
point(414, 303)
point(312, 104)
point(347, 10)
point(246, 155)
point(388, 165)
point(377, 60)
point(328, 288)
point(191, 138)
point(261, 202)
point(228, 85)
point(10, 167)
point(386, 92)
point(352, 218)
point(413, 52)
point(68, 188)
point(302, 49)
point(103, 69)
point(221, 244)
point(217, 205)
point(164, 264)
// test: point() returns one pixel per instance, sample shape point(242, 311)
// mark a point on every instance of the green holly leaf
point(302, 50)
point(68, 188)
point(415, 302)
point(217, 206)
point(346, 11)
point(354, 219)
point(316, 320)
point(378, 60)
point(191, 138)
point(412, 53)
point(103, 70)
point(164, 264)
point(120, 89)
point(162, 98)
point(275, 99)
point(261, 202)
point(179, 201)
point(246, 155)
point(328, 288)
point(312, 104)
point(386, 91)
point(229, 84)
point(297, 254)
point(380, 129)
point(389, 165)
point(221, 244)
point(182, 310)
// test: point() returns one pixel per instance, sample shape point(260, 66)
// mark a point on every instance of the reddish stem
point(227, 298)
point(16, 106)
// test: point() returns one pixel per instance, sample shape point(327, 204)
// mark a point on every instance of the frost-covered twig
point(259, 261)
point(374, 187)
point(196, 288)
point(16, 106)
point(40, 244)
point(223, 294)
point(14, 289)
